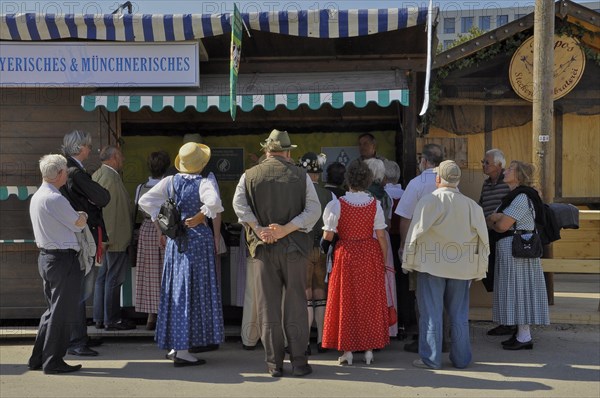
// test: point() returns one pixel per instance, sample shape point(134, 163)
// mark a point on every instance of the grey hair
point(433, 153)
point(448, 184)
point(108, 152)
point(51, 165)
point(273, 146)
point(377, 168)
point(74, 141)
point(392, 171)
point(498, 156)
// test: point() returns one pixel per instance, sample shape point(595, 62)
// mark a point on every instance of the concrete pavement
point(565, 362)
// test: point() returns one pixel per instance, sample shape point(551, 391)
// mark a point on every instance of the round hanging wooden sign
point(569, 64)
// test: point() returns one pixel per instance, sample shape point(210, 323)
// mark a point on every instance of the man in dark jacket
point(86, 195)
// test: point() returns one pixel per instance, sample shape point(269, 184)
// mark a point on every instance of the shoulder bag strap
point(521, 231)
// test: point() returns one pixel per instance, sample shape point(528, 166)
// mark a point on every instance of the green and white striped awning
point(22, 192)
point(158, 102)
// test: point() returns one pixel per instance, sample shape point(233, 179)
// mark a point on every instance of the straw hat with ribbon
point(192, 158)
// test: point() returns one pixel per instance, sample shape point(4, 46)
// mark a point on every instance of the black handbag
point(527, 248)
point(530, 247)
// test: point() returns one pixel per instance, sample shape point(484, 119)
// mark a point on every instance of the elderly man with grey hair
point(447, 246)
point(118, 220)
point(84, 194)
point(55, 223)
point(494, 189)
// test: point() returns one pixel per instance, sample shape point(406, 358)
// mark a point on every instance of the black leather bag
point(527, 248)
point(170, 222)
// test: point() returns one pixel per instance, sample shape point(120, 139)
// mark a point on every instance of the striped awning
point(22, 192)
point(266, 90)
point(245, 102)
point(178, 27)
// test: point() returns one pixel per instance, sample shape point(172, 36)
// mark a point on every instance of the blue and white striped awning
point(246, 103)
point(178, 27)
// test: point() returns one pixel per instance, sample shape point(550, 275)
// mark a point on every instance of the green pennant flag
point(235, 56)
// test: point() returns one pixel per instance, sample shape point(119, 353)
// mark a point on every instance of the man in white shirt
point(418, 187)
point(447, 245)
point(55, 223)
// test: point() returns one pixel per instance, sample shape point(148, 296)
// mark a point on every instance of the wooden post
point(488, 127)
point(543, 87)
point(543, 102)
point(409, 136)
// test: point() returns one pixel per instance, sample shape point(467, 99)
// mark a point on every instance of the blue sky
point(195, 6)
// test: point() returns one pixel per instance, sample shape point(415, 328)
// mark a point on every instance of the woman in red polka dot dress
point(356, 317)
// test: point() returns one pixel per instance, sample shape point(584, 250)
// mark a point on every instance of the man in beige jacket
point(118, 220)
point(447, 244)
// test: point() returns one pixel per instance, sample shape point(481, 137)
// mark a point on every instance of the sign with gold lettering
point(569, 64)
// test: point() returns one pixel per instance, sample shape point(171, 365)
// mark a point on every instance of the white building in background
point(456, 18)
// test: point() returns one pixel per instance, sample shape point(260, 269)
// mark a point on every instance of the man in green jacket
point(118, 220)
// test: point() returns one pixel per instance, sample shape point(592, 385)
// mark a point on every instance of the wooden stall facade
point(475, 103)
point(33, 121)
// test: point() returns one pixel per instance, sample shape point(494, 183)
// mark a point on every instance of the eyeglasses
point(485, 162)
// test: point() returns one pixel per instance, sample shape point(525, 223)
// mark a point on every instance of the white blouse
point(331, 214)
point(152, 200)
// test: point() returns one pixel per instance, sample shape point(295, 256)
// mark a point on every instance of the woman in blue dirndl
point(190, 312)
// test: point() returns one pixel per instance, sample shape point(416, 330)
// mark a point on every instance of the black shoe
point(510, 341)
point(308, 350)
point(94, 342)
point(502, 330)
point(120, 326)
point(203, 348)
point(64, 368)
point(100, 325)
point(82, 351)
point(320, 348)
point(412, 347)
point(300, 371)
point(276, 372)
point(33, 365)
point(401, 334)
point(517, 345)
point(248, 347)
point(179, 363)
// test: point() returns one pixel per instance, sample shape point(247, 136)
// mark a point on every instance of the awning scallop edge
point(246, 103)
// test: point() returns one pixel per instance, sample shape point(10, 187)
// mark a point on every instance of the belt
point(58, 251)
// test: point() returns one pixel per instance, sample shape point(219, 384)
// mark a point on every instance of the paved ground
point(565, 362)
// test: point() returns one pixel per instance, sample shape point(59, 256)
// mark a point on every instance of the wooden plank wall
point(582, 243)
point(32, 123)
point(580, 178)
point(581, 156)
